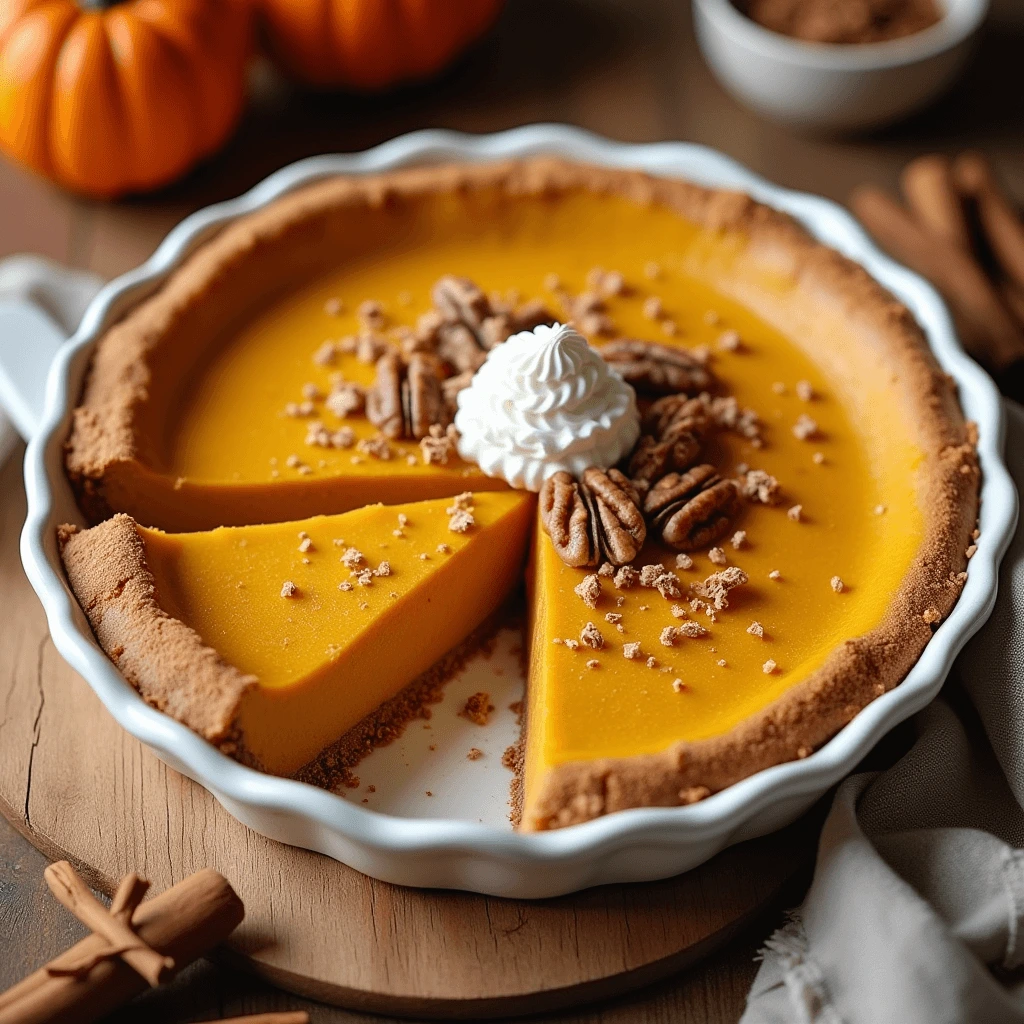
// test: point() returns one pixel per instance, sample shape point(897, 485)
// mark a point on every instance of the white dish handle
point(41, 304)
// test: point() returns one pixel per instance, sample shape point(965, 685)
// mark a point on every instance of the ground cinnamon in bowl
point(843, 21)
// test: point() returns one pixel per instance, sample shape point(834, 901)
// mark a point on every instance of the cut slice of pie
point(275, 641)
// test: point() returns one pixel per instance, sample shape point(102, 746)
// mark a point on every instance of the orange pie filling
point(620, 671)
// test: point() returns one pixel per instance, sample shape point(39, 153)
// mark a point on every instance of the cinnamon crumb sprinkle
point(718, 556)
point(509, 758)
point(474, 754)
point(712, 318)
point(739, 539)
point(288, 589)
point(410, 460)
point(669, 327)
point(325, 353)
point(795, 513)
point(626, 578)
point(463, 501)
point(384, 569)
point(592, 637)
point(397, 532)
point(334, 307)
point(679, 612)
point(305, 545)
point(552, 282)
point(804, 390)
point(729, 341)
point(593, 663)
point(352, 557)
point(344, 585)
point(684, 561)
point(769, 667)
point(613, 617)
point(818, 458)
point(311, 392)
point(971, 551)
point(403, 519)
point(461, 521)
point(717, 586)
point(589, 590)
point(477, 708)
point(378, 447)
point(573, 645)
point(756, 629)
point(880, 510)
point(443, 549)
point(424, 557)
point(836, 584)
point(652, 308)
point(607, 569)
point(721, 663)
point(779, 388)
point(759, 486)
point(805, 428)
point(678, 685)
point(652, 270)
point(931, 615)
point(775, 575)
point(650, 573)
point(364, 577)
point(667, 584)
point(631, 651)
point(652, 662)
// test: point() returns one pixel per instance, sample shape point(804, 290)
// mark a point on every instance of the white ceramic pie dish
point(451, 852)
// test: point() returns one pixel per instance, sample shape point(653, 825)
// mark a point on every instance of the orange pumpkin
point(108, 98)
point(371, 44)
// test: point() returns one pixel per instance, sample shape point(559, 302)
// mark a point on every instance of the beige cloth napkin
point(916, 911)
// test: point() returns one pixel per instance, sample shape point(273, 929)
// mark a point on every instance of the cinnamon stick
point(986, 327)
point(183, 923)
point(1003, 228)
point(932, 196)
point(71, 891)
point(281, 1017)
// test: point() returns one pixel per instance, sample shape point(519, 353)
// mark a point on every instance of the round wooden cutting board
point(79, 787)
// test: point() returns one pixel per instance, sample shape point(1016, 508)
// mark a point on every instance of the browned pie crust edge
point(806, 716)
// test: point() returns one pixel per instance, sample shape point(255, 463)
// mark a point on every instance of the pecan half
point(566, 520)
point(384, 397)
point(652, 459)
point(457, 345)
point(614, 506)
point(657, 369)
point(450, 388)
point(673, 414)
point(692, 509)
point(423, 402)
point(459, 300)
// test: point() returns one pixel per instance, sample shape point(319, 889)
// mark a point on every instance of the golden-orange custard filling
point(859, 518)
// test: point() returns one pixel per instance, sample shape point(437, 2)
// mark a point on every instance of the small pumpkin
point(371, 44)
point(107, 98)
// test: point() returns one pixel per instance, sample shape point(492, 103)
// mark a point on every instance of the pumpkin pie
point(273, 641)
point(792, 518)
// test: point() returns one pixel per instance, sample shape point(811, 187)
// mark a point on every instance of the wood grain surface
point(626, 68)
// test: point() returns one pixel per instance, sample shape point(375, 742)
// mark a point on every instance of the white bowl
point(829, 87)
point(451, 852)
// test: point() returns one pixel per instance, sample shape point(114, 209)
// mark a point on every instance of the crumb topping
point(288, 589)
point(588, 590)
point(795, 513)
point(591, 636)
point(684, 561)
point(474, 754)
point(631, 651)
point(836, 584)
point(477, 708)
point(756, 629)
point(626, 578)
point(759, 486)
point(805, 428)
point(718, 557)
point(739, 539)
point(769, 667)
point(717, 586)
point(352, 558)
point(461, 521)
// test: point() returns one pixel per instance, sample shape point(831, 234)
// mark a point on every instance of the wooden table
point(628, 69)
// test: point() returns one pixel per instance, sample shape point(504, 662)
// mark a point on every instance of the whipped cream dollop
point(545, 401)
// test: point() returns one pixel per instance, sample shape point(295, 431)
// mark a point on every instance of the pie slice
point(274, 641)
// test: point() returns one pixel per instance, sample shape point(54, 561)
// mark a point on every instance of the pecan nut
point(457, 345)
point(674, 414)
point(566, 519)
point(652, 459)
point(657, 369)
point(384, 397)
point(614, 506)
point(459, 300)
point(423, 401)
point(693, 509)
